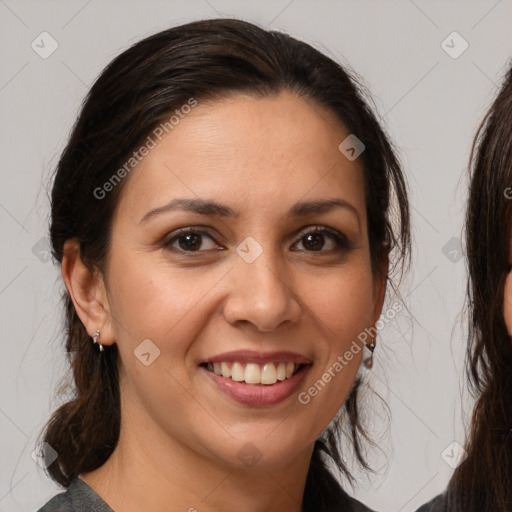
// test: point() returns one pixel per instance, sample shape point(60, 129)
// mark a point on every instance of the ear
point(507, 302)
point(88, 293)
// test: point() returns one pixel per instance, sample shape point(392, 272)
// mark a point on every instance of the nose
point(261, 294)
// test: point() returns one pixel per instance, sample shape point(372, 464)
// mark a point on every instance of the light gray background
point(431, 104)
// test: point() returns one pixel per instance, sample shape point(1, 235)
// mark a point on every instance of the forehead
point(248, 150)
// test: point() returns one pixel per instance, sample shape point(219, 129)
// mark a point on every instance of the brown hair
point(132, 96)
point(483, 481)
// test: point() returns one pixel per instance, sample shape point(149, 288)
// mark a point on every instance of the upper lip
point(252, 356)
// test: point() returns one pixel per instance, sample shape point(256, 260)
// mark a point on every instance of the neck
point(149, 470)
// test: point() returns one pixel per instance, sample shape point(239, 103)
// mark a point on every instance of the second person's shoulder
point(435, 505)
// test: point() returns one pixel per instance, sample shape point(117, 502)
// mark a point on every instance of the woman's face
point(250, 287)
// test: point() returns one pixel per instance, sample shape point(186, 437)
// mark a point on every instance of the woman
point(483, 481)
point(222, 216)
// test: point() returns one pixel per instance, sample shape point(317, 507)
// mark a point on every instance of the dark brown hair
point(134, 94)
point(483, 481)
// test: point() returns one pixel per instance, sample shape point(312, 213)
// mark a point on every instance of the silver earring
point(368, 362)
point(95, 337)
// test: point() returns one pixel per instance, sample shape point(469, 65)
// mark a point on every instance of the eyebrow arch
point(214, 209)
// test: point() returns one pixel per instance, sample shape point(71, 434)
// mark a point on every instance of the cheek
point(342, 308)
point(342, 303)
point(507, 303)
point(156, 302)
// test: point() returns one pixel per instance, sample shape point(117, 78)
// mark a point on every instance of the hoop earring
point(95, 337)
point(368, 362)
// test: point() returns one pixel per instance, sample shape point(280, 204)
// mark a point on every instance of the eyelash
point(340, 240)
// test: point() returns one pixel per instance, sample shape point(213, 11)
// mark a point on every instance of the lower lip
point(258, 395)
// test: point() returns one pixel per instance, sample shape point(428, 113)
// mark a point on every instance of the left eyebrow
point(214, 209)
point(302, 209)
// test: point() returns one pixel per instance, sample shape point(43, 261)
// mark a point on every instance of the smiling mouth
point(253, 373)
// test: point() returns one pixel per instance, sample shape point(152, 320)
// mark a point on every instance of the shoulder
point(436, 505)
point(78, 497)
point(59, 503)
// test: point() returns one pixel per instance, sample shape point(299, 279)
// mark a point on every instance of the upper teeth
point(253, 373)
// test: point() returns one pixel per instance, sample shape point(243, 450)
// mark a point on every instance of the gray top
point(79, 497)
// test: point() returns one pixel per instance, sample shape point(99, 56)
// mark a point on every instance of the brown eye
point(189, 240)
point(314, 239)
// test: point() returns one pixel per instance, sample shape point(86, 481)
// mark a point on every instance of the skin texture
point(507, 303)
point(179, 434)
